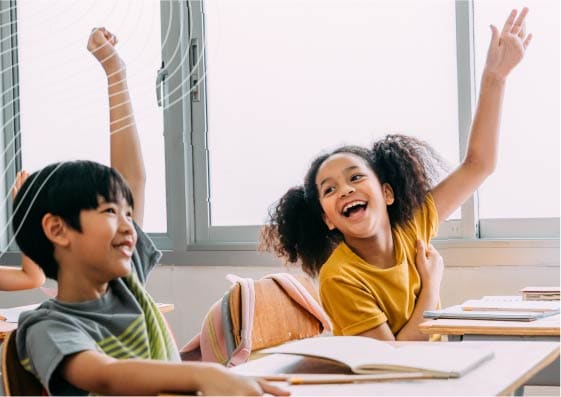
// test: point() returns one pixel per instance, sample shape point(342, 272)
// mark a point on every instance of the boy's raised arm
point(126, 154)
point(506, 50)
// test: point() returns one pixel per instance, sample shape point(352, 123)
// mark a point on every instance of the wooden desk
point(6, 327)
point(514, 363)
point(545, 329)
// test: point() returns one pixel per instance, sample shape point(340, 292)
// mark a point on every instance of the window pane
point(288, 79)
point(526, 181)
point(63, 91)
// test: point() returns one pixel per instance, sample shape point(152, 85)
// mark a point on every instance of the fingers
point(527, 41)
point(421, 251)
point(494, 36)
point(509, 22)
point(518, 26)
point(272, 389)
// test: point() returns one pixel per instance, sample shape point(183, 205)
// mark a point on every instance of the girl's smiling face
point(351, 196)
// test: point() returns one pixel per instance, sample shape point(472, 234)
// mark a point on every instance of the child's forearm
point(482, 150)
point(28, 277)
point(148, 377)
point(126, 154)
point(428, 300)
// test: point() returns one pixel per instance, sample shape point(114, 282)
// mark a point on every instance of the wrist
point(492, 77)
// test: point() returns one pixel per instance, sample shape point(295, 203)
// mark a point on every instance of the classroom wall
point(193, 289)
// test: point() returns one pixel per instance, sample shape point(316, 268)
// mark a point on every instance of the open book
point(366, 355)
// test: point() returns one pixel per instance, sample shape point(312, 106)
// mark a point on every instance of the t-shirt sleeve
point(43, 346)
point(426, 219)
point(145, 255)
point(352, 309)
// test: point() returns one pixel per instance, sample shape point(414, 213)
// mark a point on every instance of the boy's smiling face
point(351, 196)
point(104, 247)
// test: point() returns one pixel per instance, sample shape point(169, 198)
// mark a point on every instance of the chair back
point(17, 381)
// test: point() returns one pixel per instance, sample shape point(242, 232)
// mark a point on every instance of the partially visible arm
point(29, 276)
point(506, 50)
point(126, 154)
point(97, 373)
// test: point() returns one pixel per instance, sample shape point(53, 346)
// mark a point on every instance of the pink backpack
point(257, 314)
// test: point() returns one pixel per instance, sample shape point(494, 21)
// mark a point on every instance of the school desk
point(513, 364)
point(6, 327)
point(545, 329)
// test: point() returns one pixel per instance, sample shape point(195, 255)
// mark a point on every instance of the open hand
point(101, 44)
point(507, 47)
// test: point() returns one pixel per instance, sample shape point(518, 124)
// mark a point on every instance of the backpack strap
point(241, 353)
point(294, 288)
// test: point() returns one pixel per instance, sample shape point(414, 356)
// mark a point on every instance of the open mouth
point(354, 207)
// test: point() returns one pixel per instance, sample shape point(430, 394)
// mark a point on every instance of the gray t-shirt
point(124, 323)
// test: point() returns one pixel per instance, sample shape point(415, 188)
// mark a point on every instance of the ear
point(56, 230)
point(388, 193)
point(328, 222)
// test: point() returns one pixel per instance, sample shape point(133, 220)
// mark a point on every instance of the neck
point(377, 250)
point(73, 287)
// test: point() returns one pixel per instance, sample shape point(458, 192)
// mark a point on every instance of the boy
point(103, 333)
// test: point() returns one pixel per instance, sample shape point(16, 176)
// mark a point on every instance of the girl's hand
point(21, 176)
point(101, 44)
point(507, 48)
point(430, 266)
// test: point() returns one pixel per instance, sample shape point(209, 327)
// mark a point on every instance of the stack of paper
point(540, 293)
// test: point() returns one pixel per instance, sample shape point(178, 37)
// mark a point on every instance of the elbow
point(481, 166)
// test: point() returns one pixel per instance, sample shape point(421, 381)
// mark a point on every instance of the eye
point(129, 214)
point(356, 177)
point(328, 190)
point(110, 210)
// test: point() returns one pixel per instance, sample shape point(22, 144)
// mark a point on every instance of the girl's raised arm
point(506, 50)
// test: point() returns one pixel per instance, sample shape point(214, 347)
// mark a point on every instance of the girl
point(363, 217)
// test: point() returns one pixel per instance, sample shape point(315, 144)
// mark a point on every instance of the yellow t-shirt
point(359, 296)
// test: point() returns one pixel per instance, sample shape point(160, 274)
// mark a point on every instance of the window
point(63, 104)
point(252, 90)
point(527, 174)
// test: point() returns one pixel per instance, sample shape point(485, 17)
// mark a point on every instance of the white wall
point(470, 273)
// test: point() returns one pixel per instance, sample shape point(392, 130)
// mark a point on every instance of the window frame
point(190, 238)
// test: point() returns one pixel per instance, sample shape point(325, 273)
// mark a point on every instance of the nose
point(346, 190)
point(125, 224)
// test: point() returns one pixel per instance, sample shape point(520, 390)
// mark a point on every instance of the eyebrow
point(352, 167)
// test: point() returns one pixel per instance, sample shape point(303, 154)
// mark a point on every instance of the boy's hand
point(507, 47)
point(218, 381)
point(21, 176)
point(430, 265)
point(102, 45)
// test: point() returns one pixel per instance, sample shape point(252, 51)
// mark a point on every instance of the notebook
point(456, 312)
point(370, 356)
point(499, 303)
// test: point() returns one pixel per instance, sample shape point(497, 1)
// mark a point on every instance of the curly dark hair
point(296, 231)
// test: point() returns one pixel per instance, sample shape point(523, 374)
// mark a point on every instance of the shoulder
point(146, 254)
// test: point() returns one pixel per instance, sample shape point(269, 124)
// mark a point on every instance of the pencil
point(340, 379)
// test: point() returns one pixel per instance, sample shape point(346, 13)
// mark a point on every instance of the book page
point(363, 355)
